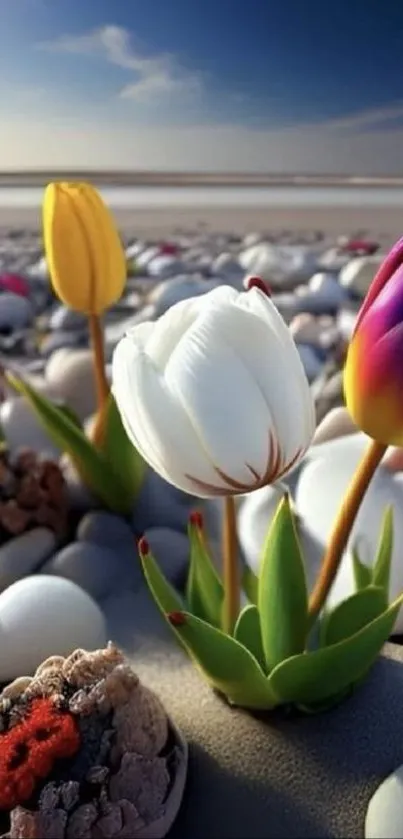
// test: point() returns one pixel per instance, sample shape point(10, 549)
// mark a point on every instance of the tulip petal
point(302, 402)
point(170, 327)
point(386, 311)
point(390, 264)
point(274, 362)
point(222, 400)
point(107, 254)
point(66, 249)
point(156, 422)
point(373, 384)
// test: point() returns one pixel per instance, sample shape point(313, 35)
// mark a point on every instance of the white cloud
point(154, 76)
point(367, 118)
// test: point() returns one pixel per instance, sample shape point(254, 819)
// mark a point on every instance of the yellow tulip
point(85, 257)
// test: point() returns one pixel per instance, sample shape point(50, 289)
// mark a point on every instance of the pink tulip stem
point(231, 576)
point(101, 382)
point(343, 525)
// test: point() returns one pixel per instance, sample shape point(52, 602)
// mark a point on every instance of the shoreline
point(385, 224)
point(193, 179)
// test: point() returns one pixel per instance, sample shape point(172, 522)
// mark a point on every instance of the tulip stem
point(231, 577)
point(97, 342)
point(343, 525)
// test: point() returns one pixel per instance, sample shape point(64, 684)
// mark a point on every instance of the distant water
point(287, 196)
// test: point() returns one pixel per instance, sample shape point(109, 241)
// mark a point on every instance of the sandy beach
point(383, 223)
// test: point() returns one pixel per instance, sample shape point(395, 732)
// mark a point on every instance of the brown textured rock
point(127, 778)
point(32, 492)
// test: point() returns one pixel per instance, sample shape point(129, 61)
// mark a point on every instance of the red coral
point(29, 749)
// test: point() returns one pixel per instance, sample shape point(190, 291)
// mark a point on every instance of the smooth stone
point(113, 332)
point(169, 292)
point(228, 268)
point(80, 498)
point(21, 428)
point(106, 529)
point(329, 394)
point(357, 276)
point(327, 288)
point(160, 502)
point(42, 616)
point(70, 374)
point(15, 311)
point(346, 319)
point(337, 423)
point(39, 269)
point(24, 554)
point(98, 569)
point(144, 257)
point(67, 319)
point(171, 551)
point(163, 267)
point(310, 360)
point(334, 259)
point(254, 520)
point(60, 340)
point(287, 305)
point(319, 332)
point(134, 250)
point(275, 775)
point(321, 488)
point(384, 818)
point(284, 264)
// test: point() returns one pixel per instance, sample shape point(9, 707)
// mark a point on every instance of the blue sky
point(306, 85)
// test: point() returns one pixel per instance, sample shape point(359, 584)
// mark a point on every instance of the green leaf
point(226, 664)
point(204, 590)
point(362, 574)
point(353, 614)
point(248, 632)
point(120, 453)
point(383, 560)
point(70, 414)
point(282, 596)
point(90, 463)
point(315, 677)
point(166, 597)
point(250, 584)
point(164, 594)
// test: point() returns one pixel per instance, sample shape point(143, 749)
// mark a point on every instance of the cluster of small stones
point(32, 493)
point(119, 780)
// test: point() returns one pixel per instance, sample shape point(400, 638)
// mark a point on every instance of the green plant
point(278, 653)
point(112, 469)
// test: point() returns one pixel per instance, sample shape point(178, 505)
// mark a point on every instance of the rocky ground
point(318, 287)
point(91, 568)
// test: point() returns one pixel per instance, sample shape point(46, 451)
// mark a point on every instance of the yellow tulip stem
point(97, 343)
point(343, 526)
point(231, 577)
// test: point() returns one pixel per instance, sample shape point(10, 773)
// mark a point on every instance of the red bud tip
point(143, 546)
point(196, 519)
point(176, 618)
point(257, 282)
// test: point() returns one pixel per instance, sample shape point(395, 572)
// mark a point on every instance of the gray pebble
point(160, 502)
point(171, 551)
point(96, 569)
point(66, 319)
point(106, 529)
point(24, 554)
point(60, 340)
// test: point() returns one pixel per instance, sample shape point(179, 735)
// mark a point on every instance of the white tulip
point(214, 394)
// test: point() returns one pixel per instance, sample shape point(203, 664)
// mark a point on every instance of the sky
point(306, 86)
